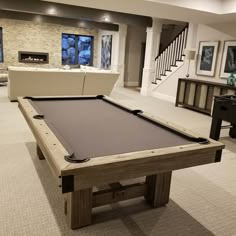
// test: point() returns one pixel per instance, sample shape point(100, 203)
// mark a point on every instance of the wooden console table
point(198, 94)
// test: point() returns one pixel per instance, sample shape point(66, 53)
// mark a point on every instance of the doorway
point(142, 59)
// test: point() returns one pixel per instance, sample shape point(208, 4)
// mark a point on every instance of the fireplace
point(33, 57)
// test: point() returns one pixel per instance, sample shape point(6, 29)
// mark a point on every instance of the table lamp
point(189, 55)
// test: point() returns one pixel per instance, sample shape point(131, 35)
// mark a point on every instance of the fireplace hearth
point(33, 57)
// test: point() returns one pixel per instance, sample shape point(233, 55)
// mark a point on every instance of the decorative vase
point(231, 80)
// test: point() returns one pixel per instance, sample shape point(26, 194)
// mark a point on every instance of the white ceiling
point(196, 11)
point(213, 6)
point(220, 7)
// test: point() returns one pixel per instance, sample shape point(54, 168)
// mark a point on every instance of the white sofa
point(26, 81)
point(3, 78)
point(99, 82)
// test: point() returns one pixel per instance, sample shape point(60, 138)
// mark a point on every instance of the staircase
point(170, 58)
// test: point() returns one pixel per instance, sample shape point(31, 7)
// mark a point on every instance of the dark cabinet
point(199, 94)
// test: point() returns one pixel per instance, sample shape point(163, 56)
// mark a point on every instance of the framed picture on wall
point(106, 52)
point(207, 57)
point(228, 64)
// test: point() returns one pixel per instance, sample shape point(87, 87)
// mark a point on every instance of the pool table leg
point(40, 153)
point(78, 208)
point(215, 128)
point(158, 189)
point(232, 131)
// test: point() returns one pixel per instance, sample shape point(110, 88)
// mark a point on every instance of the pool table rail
point(51, 147)
point(137, 164)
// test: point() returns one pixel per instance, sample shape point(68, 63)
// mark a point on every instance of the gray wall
point(135, 37)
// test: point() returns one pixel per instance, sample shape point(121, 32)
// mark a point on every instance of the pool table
point(92, 141)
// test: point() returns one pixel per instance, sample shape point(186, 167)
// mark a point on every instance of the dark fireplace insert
point(33, 57)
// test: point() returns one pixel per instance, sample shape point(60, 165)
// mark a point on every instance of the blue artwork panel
point(1, 47)
point(77, 49)
point(85, 50)
point(68, 49)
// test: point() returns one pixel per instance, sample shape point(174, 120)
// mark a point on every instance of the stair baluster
point(181, 45)
point(168, 60)
point(179, 56)
point(170, 55)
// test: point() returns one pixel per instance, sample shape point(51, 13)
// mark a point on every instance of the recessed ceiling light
point(82, 24)
point(52, 11)
point(106, 18)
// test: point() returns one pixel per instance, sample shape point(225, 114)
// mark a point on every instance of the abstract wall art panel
point(106, 52)
point(1, 46)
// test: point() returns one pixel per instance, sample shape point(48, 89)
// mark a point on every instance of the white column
point(192, 44)
point(119, 60)
point(152, 49)
point(99, 44)
point(192, 35)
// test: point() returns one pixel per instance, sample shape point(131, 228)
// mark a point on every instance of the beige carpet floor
point(202, 200)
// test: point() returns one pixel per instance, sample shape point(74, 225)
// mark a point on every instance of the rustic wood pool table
point(90, 141)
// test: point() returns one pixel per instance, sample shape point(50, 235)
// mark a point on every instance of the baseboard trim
point(131, 83)
point(164, 97)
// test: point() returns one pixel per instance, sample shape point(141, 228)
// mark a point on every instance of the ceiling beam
point(74, 12)
point(57, 20)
